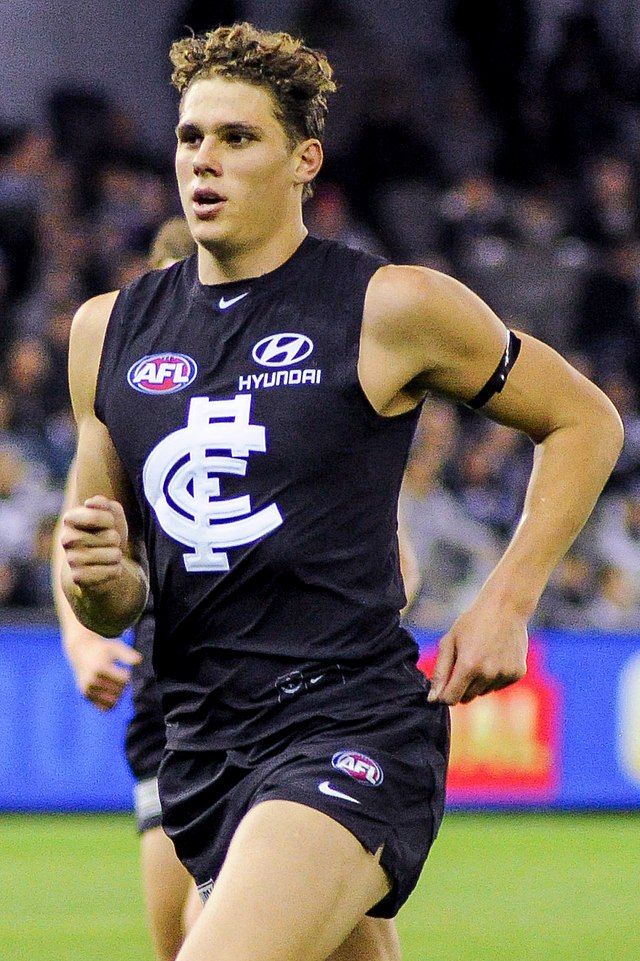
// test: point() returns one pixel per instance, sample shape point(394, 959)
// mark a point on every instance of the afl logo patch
point(358, 766)
point(282, 350)
point(162, 373)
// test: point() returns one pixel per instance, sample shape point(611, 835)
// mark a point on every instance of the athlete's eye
point(188, 135)
point(239, 139)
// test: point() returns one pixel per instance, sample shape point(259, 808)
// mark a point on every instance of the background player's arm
point(100, 666)
point(103, 576)
point(425, 332)
point(409, 567)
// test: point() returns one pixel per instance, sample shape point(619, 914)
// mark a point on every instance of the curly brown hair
point(297, 77)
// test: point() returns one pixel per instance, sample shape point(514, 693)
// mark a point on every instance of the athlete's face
point(240, 181)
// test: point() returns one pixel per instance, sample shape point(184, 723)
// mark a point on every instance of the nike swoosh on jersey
point(223, 303)
point(325, 788)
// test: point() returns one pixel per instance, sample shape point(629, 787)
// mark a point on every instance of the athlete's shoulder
point(91, 318)
point(85, 348)
point(403, 298)
point(407, 286)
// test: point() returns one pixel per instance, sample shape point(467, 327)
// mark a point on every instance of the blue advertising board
point(57, 752)
point(567, 736)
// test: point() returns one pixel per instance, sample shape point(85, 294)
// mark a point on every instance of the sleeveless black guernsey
point(266, 482)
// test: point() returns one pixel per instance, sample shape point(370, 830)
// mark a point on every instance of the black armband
point(499, 377)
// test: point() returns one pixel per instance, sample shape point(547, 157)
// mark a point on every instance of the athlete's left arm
point(425, 332)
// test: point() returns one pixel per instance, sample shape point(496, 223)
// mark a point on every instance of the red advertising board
point(506, 745)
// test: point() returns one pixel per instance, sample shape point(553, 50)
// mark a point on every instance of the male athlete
point(247, 415)
point(102, 670)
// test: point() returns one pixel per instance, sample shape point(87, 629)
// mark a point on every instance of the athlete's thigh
point(294, 885)
point(373, 939)
point(167, 889)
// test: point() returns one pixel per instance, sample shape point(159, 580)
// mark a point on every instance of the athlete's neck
point(224, 264)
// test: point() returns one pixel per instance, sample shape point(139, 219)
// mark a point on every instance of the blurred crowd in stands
point(517, 175)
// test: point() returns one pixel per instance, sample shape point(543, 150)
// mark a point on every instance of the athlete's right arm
point(103, 576)
point(101, 667)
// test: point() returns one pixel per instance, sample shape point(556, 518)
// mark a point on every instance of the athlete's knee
point(373, 939)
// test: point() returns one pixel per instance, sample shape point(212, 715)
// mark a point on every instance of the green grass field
point(496, 888)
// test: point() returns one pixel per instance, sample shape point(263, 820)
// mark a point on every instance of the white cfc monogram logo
point(181, 485)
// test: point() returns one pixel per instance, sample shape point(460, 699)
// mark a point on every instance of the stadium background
point(498, 141)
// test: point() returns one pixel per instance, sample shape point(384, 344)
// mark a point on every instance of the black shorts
point(144, 743)
point(381, 774)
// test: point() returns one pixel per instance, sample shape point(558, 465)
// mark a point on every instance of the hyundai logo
point(282, 350)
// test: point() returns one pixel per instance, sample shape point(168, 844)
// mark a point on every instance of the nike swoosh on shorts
point(325, 788)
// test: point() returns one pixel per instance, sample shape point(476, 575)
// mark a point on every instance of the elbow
point(609, 430)
point(614, 428)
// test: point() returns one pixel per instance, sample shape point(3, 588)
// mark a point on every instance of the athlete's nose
point(207, 159)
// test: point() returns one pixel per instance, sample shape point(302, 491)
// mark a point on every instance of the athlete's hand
point(94, 537)
point(102, 667)
point(485, 650)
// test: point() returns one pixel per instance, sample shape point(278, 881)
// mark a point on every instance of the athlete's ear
point(308, 159)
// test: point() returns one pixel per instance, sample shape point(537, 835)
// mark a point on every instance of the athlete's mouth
point(206, 196)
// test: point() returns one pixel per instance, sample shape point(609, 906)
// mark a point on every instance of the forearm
point(71, 630)
point(571, 467)
point(76, 637)
point(108, 609)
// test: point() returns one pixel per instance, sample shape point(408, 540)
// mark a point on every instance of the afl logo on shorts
point(162, 373)
point(358, 766)
point(282, 350)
